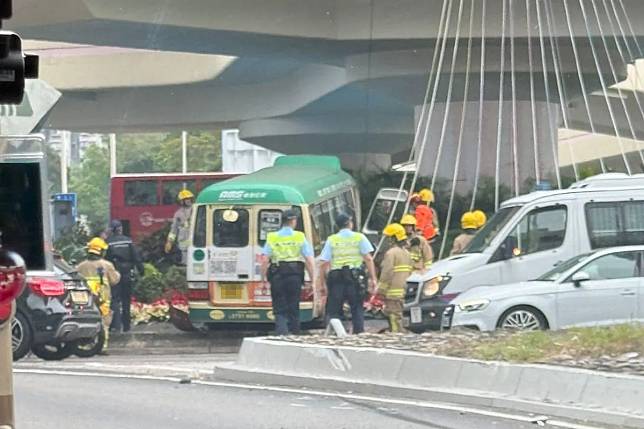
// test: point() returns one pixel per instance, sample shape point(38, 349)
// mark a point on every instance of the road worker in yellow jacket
point(100, 275)
point(419, 249)
point(396, 267)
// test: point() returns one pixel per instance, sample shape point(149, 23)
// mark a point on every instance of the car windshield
point(563, 267)
point(485, 236)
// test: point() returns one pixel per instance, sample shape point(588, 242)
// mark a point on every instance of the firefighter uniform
point(419, 249)
point(100, 275)
point(287, 250)
point(469, 224)
point(396, 267)
point(345, 252)
point(180, 228)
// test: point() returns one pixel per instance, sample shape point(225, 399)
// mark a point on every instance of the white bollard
point(335, 326)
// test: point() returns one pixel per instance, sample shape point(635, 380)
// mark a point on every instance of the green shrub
point(150, 286)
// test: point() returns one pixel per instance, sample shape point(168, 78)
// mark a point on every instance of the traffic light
point(12, 281)
point(15, 66)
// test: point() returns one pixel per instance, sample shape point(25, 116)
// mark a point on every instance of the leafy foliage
point(90, 180)
point(150, 286)
point(72, 245)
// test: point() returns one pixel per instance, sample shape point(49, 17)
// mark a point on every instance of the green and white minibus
point(231, 221)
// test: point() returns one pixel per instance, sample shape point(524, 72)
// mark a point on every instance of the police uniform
point(396, 268)
point(125, 257)
point(345, 251)
point(287, 250)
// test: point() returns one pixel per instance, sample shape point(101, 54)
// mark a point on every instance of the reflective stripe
point(403, 269)
point(428, 264)
point(395, 293)
point(286, 248)
point(345, 251)
point(415, 254)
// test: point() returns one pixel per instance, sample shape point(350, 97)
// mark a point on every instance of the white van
point(528, 236)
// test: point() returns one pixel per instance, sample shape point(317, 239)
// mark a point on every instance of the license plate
point(416, 315)
point(80, 297)
point(231, 291)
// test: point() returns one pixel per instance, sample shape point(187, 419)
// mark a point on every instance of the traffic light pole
point(6, 376)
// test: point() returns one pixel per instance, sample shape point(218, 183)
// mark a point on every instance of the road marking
point(319, 393)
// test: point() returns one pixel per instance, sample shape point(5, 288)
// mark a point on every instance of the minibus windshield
point(485, 236)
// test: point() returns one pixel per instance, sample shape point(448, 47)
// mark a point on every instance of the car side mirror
point(579, 277)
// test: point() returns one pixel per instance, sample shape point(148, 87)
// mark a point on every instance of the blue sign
point(69, 197)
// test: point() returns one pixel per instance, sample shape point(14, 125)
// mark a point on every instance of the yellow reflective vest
point(286, 248)
point(345, 251)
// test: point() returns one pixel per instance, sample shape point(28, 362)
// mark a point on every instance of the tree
point(135, 153)
point(90, 181)
point(53, 170)
point(203, 152)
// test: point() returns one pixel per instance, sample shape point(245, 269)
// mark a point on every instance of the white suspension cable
point(459, 145)
point(421, 152)
point(500, 110)
point(632, 84)
point(546, 86)
point(448, 100)
point(479, 143)
point(443, 18)
point(513, 79)
point(622, 97)
point(535, 137)
point(580, 76)
point(630, 28)
point(604, 88)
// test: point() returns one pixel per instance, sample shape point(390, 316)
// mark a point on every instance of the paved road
point(81, 402)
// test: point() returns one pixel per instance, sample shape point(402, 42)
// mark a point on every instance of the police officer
point(394, 271)
point(342, 256)
point(287, 254)
point(125, 257)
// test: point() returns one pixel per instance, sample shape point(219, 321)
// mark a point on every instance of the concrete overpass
point(338, 76)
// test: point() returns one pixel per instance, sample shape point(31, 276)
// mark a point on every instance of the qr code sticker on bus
point(226, 267)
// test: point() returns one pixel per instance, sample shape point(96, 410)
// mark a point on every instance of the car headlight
point(432, 286)
point(475, 305)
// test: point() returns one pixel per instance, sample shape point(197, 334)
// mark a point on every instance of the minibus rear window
point(199, 238)
point(230, 228)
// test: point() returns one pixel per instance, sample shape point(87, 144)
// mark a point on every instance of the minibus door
point(381, 210)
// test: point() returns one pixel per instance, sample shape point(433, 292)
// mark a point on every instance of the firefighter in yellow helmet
point(396, 267)
point(481, 218)
point(419, 249)
point(469, 226)
point(100, 275)
point(180, 229)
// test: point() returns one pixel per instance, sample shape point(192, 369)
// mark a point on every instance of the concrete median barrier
point(554, 391)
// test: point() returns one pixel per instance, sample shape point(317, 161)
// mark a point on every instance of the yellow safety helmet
point(468, 221)
point(185, 194)
point(426, 195)
point(96, 246)
point(481, 218)
point(408, 220)
point(395, 230)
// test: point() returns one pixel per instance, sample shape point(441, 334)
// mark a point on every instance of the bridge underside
point(346, 77)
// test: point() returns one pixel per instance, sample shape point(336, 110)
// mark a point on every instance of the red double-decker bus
point(145, 202)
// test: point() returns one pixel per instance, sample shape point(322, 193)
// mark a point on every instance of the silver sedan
point(600, 288)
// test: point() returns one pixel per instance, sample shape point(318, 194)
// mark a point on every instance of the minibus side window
point(541, 229)
point(199, 238)
point(228, 232)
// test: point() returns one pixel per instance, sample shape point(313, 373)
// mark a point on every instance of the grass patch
point(577, 343)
